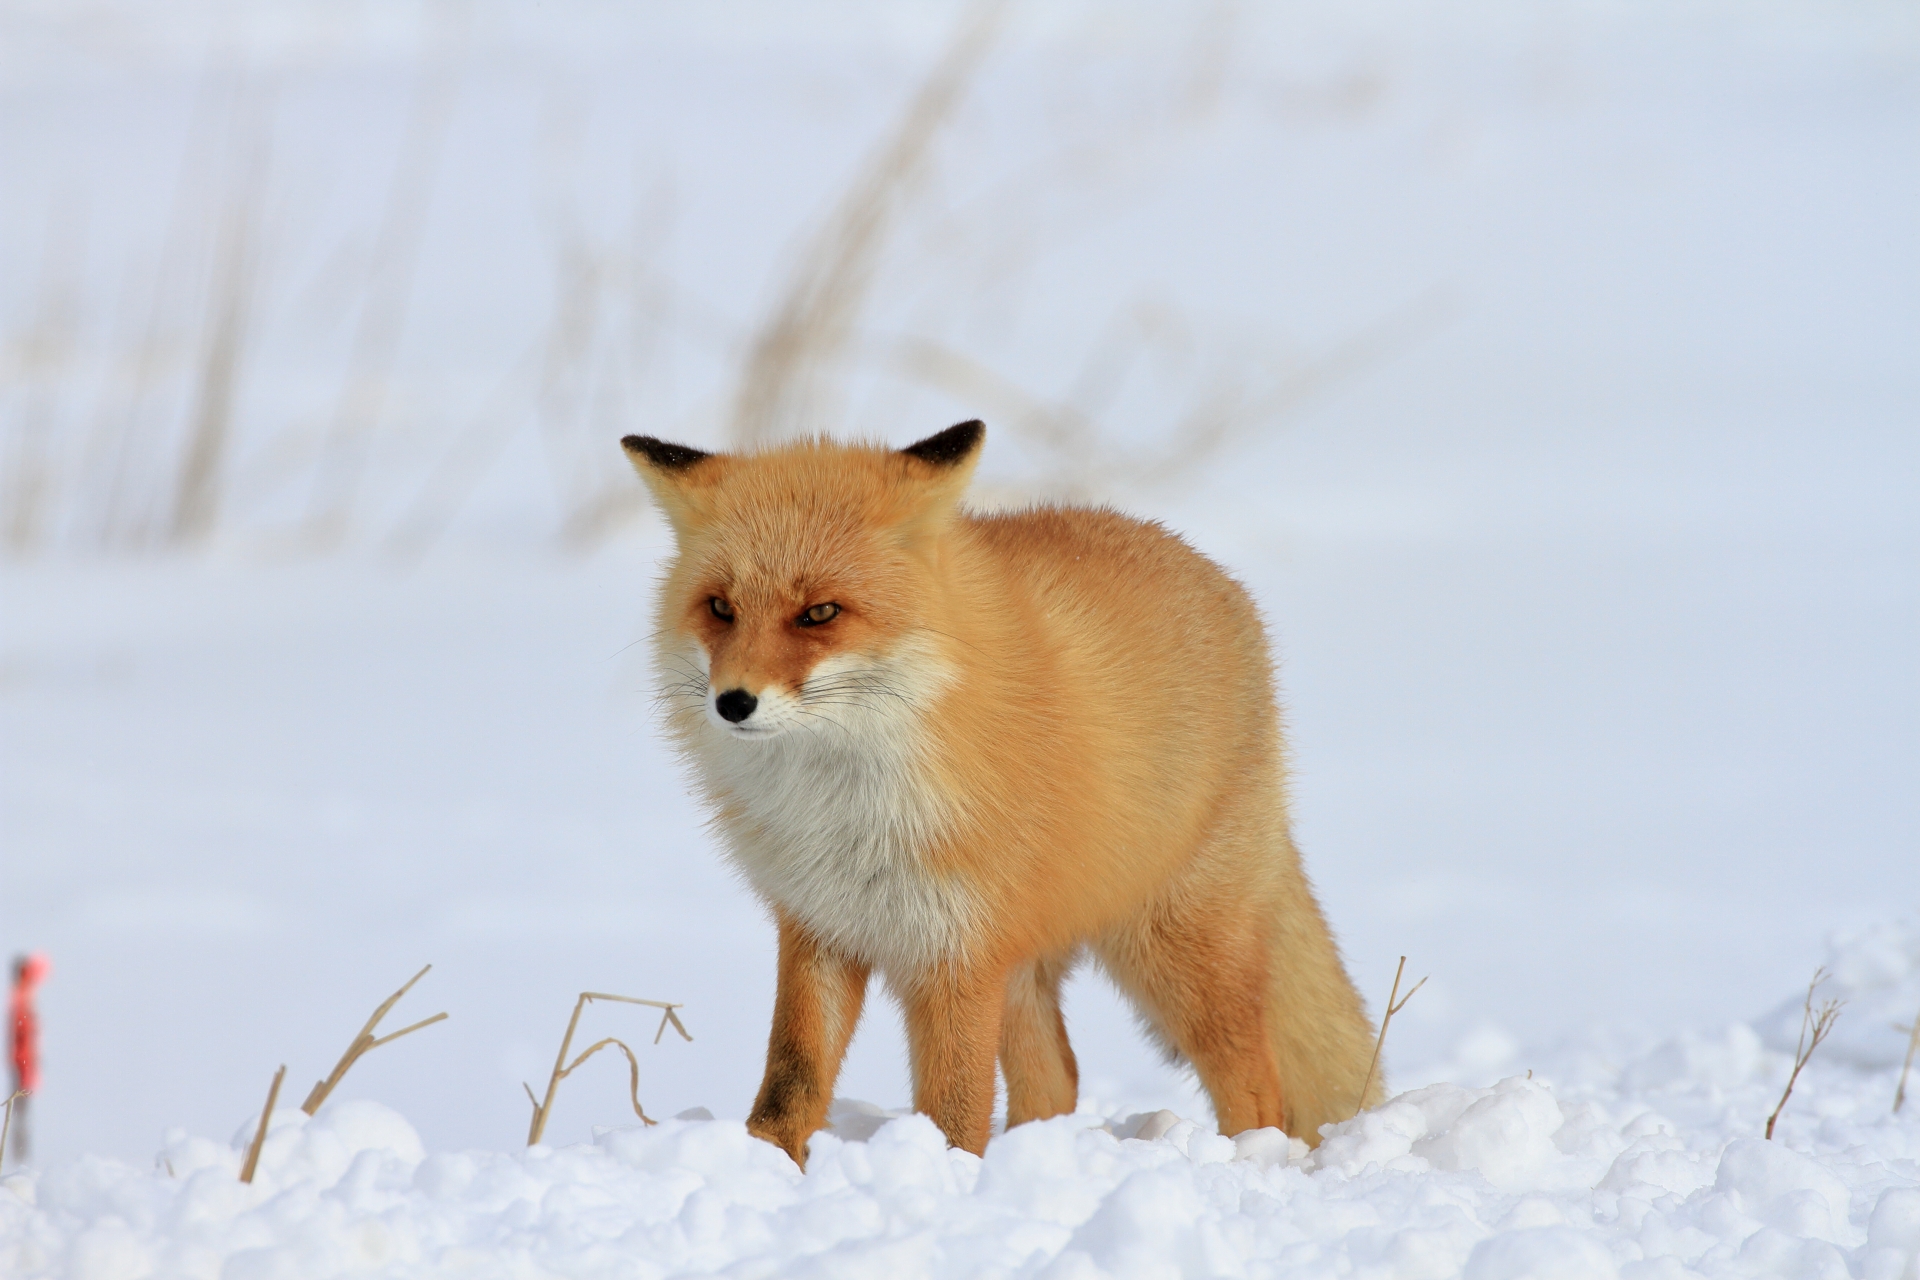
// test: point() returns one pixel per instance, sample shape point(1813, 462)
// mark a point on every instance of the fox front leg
point(953, 1037)
point(815, 1010)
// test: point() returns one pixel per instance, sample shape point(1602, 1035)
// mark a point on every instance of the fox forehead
point(790, 544)
point(818, 484)
point(788, 559)
point(775, 545)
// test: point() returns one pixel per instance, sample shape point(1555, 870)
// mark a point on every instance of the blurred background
point(1549, 371)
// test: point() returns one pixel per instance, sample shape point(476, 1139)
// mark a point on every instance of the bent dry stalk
point(543, 1108)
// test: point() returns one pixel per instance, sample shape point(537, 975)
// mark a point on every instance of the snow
point(1592, 578)
point(1599, 1164)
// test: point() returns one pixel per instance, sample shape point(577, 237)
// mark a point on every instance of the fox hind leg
point(1322, 1037)
point(1043, 1079)
point(1235, 969)
point(1204, 992)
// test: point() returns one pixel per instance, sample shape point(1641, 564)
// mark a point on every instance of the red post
point(29, 971)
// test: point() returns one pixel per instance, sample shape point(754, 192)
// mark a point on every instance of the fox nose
point(735, 705)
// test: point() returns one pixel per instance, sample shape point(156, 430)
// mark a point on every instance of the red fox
point(965, 750)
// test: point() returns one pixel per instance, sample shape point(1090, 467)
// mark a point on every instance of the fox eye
point(720, 608)
point(818, 614)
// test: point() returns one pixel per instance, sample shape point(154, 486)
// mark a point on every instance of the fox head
point(807, 592)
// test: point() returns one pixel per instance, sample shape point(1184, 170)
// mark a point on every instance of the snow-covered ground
point(1568, 359)
point(1607, 1160)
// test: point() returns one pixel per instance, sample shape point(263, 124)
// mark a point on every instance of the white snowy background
point(1549, 372)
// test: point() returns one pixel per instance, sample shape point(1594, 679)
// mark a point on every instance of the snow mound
point(1649, 1167)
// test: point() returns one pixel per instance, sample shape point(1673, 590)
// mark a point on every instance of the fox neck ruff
point(835, 818)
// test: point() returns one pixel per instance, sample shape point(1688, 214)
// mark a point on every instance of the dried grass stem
point(1393, 1006)
point(1913, 1043)
point(6, 1126)
point(1815, 1025)
point(260, 1134)
point(365, 1042)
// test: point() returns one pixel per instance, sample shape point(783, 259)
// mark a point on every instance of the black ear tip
point(950, 446)
point(667, 457)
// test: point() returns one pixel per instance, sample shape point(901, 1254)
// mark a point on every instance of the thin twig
point(1815, 1024)
point(6, 1126)
point(543, 1107)
point(1381, 1039)
point(1913, 1043)
point(260, 1134)
point(365, 1042)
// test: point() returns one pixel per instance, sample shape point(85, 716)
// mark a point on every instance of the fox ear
point(957, 446)
point(677, 476)
point(941, 464)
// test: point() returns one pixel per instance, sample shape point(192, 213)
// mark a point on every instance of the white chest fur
point(832, 822)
